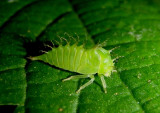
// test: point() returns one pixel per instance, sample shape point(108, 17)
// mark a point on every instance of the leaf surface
point(33, 86)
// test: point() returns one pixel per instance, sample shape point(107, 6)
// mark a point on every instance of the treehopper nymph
point(86, 62)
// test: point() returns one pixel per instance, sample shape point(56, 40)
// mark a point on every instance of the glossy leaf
point(132, 26)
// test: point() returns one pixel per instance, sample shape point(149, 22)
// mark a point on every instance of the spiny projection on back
point(86, 62)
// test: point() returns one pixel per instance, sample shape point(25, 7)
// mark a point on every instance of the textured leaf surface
point(35, 87)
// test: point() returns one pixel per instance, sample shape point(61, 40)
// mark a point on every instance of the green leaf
point(35, 87)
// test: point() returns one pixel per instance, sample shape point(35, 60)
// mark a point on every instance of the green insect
point(86, 62)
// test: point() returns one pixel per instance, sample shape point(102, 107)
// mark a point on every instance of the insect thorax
point(106, 63)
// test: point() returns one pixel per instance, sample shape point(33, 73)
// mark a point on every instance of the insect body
point(86, 62)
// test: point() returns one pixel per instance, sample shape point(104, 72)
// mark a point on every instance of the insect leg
point(76, 77)
point(117, 58)
point(86, 84)
point(113, 49)
point(103, 83)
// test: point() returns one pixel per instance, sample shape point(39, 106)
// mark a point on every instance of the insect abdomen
point(72, 53)
point(78, 57)
point(73, 58)
point(50, 57)
point(59, 56)
point(67, 55)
